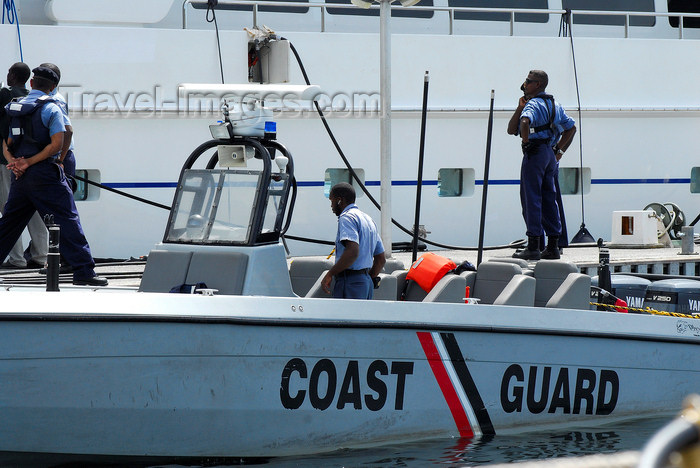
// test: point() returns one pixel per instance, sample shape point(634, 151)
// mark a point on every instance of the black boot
point(532, 252)
point(552, 250)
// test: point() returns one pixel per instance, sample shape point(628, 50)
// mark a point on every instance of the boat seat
point(223, 271)
point(316, 290)
point(450, 288)
point(523, 264)
point(501, 283)
point(303, 272)
point(550, 275)
point(414, 293)
point(392, 265)
point(387, 287)
point(574, 293)
point(164, 270)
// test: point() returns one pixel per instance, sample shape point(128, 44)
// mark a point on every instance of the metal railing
point(256, 4)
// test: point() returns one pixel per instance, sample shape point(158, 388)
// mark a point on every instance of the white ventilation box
point(634, 228)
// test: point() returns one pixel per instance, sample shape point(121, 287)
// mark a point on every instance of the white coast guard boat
point(123, 62)
point(252, 370)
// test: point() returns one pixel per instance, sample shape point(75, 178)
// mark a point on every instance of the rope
point(123, 194)
point(648, 310)
point(12, 18)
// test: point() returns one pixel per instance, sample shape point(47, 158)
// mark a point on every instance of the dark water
point(567, 442)
point(499, 449)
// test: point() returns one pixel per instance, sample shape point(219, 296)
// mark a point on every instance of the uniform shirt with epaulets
point(358, 227)
point(539, 110)
point(51, 115)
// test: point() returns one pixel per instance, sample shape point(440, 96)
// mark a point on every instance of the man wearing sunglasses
point(546, 132)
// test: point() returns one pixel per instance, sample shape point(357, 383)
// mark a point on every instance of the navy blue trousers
point(353, 286)
point(538, 195)
point(69, 164)
point(44, 188)
point(564, 235)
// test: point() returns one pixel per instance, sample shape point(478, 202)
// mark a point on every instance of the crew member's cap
point(46, 73)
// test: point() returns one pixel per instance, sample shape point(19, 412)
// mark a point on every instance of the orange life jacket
point(429, 269)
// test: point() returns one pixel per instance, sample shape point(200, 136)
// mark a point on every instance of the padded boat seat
point(414, 293)
point(164, 270)
point(574, 293)
point(501, 283)
point(392, 265)
point(316, 290)
point(450, 288)
point(523, 264)
point(224, 271)
point(550, 274)
point(560, 285)
point(303, 272)
point(387, 288)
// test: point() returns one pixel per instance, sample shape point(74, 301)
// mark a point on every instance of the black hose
point(357, 178)
point(211, 8)
point(306, 239)
point(676, 435)
point(124, 194)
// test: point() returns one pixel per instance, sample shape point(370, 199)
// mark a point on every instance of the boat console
point(227, 218)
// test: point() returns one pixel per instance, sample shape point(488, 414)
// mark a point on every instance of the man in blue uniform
point(359, 252)
point(17, 77)
point(38, 182)
point(67, 157)
point(546, 132)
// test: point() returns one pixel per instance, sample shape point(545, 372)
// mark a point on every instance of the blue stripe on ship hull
point(399, 183)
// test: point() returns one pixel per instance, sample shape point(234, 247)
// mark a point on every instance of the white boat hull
point(252, 377)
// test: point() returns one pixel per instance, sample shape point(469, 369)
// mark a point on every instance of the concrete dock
point(655, 261)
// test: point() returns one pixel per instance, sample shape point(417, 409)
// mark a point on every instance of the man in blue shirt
point(546, 132)
point(17, 77)
point(38, 182)
point(67, 158)
point(359, 252)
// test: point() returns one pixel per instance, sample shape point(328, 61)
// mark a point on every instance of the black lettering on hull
point(347, 386)
point(592, 392)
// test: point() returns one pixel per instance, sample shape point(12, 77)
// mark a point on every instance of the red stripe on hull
point(443, 380)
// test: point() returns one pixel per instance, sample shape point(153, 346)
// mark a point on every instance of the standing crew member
point(17, 77)
point(38, 182)
point(546, 132)
point(67, 158)
point(359, 252)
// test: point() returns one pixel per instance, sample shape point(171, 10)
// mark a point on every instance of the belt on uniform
point(539, 141)
point(349, 272)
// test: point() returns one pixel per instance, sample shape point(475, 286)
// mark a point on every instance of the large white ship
point(122, 63)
